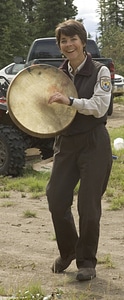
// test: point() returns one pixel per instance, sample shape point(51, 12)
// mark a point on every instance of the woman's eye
point(63, 41)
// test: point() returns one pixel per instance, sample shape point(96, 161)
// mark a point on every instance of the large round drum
point(27, 100)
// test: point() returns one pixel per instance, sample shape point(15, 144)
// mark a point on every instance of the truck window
point(45, 49)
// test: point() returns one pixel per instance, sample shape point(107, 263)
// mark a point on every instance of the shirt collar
point(70, 69)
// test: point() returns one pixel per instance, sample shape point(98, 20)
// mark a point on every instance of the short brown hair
point(70, 28)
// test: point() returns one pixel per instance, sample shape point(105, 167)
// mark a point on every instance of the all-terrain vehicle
point(14, 142)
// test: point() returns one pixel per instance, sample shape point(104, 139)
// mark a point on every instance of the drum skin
point(27, 100)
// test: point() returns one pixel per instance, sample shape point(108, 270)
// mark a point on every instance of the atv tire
point(12, 151)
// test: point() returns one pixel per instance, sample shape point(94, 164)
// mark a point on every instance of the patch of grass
point(119, 99)
point(115, 189)
point(76, 189)
point(4, 195)
point(29, 214)
point(107, 261)
point(2, 291)
point(109, 193)
point(7, 204)
point(32, 181)
point(36, 186)
point(33, 292)
point(115, 133)
point(117, 203)
point(54, 238)
point(36, 195)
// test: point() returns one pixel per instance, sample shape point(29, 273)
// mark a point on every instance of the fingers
point(59, 98)
point(54, 98)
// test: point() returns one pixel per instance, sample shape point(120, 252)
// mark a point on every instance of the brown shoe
point(86, 274)
point(61, 264)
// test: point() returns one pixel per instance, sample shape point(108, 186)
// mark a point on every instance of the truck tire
point(12, 151)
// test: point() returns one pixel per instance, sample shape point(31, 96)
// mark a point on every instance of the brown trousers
point(87, 159)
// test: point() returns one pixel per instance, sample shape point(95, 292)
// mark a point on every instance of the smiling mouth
point(70, 51)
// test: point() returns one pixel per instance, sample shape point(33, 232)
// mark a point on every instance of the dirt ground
point(28, 247)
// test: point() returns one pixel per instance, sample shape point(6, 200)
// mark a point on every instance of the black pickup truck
point(13, 141)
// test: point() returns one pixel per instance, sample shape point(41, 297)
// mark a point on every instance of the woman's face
point(72, 47)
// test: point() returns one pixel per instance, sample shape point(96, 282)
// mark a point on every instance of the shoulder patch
point(105, 83)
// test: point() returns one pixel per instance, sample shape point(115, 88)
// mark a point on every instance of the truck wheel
point(12, 151)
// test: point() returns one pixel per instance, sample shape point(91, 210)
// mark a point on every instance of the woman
point(82, 153)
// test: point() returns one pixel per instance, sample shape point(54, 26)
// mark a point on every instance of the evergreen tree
point(29, 8)
point(70, 9)
point(111, 13)
point(111, 31)
point(113, 46)
point(12, 31)
point(50, 13)
point(24, 20)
